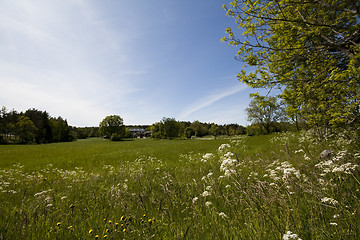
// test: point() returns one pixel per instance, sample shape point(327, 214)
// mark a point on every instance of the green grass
point(252, 188)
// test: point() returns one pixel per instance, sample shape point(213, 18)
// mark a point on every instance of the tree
point(265, 111)
point(112, 125)
point(25, 129)
point(189, 132)
point(214, 130)
point(309, 49)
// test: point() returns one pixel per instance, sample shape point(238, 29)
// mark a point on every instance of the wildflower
point(124, 230)
point(58, 224)
point(194, 199)
point(116, 224)
point(150, 221)
point(96, 236)
point(208, 203)
point(290, 235)
point(228, 186)
point(107, 230)
point(109, 221)
point(206, 194)
point(329, 200)
point(71, 206)
point(223, 215)
point(70, 227)
point(122, 218)
point(90, 231)
point(105, 236)
point(333, 224)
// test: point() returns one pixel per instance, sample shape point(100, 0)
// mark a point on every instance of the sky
point(142, 60)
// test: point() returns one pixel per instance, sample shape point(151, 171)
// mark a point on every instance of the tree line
point(33, 126)
point(37, 127)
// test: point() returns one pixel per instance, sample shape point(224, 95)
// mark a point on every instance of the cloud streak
point(207, 101)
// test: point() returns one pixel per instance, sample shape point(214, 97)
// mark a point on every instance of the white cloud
point(211, 99)
point(60, 57)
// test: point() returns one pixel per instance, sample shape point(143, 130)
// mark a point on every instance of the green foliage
point(309, 49)
point(110, 125)
point(265, 111)
point(189, 132)
point(26, 129)
point(33, 126)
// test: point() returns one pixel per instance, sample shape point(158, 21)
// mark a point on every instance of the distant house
point(139, 133)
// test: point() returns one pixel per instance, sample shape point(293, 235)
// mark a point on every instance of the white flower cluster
point(207, 157)
point(329, 200)
point(336, 165)
point(224, 148)
point(289, 235)
point(283, 170)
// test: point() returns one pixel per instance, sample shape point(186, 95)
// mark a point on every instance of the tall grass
point(268, 187)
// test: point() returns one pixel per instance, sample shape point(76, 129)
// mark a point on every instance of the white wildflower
point(208, 203)
point(207, 156)
point(194, 199)
point(208, 188)
point(228, 186)
point(229, 172)
point(333, 224)
point(206, 194)
point(329, 200)
point(224, 147)
point(290, 235)
point(223, 215)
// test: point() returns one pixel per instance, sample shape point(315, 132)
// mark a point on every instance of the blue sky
point(142, 60)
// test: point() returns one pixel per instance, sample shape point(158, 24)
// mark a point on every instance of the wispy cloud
point(211, 99)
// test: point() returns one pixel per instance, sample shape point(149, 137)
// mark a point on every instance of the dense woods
point(33, 126)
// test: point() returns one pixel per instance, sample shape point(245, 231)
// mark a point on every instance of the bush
point(115, 137)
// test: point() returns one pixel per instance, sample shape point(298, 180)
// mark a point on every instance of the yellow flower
point(110, 222)
point(90, 231)
point(107, 230)
point(105, 236)
point(124, 230)
point(96, 236)
point(122, 218)
point(71, 206)
point(70, 227)
point(116, 224)
point(58, 224)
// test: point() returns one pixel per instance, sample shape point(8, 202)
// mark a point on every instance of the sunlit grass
point(268, 187)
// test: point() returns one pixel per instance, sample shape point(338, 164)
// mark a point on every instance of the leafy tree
point(189, 132)
point(41, 121)
point(310, 49)
point(214, 130)
point(265, 111)
point(25, 129)
point(170, 127)
point(61, 132)
point(110, 125)
point(200, 128)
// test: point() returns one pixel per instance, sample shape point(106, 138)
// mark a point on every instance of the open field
point(266, 187)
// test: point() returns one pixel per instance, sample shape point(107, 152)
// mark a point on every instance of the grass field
point(266, 187)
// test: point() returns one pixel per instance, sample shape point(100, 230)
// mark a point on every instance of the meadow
point(266, 187)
